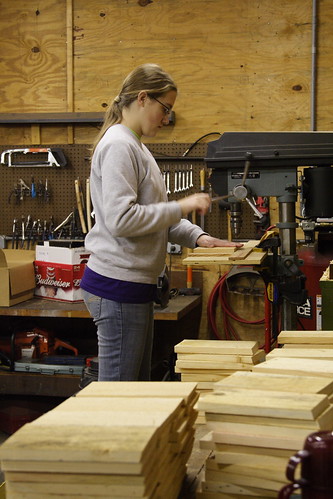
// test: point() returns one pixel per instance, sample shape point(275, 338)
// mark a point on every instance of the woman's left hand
point(206, 241)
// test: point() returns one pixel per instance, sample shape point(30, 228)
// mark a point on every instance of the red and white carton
point(61, 254)
point(58, 281)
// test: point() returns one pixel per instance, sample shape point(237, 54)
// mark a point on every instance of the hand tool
point(64, 222)
point(22, 232)
point(33, 188)
point(14, 232)
point(180, 180)
point(15, 192)
point(88, 203)
point(202, 189)
point(46, 192)
point(55, 157)
point(78, 194)
point(191, 176)
point(176, 182)
point(168, 181)
point(32, 234)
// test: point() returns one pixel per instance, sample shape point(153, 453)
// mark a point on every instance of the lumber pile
point(257, 422)
point(208, 361)
point(125, 439)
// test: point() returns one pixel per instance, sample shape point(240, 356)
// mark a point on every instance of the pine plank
point(323, 422)
point(299, 367)
point(218, 476)
point(305, 353)
point(207, 442)
point(242, 458)
point(215, 490)
point(201, 365)
point(217, 347)
point(226, 250)
point(251, 258)
point(261, 431)
point(292, 443)
point(276, 382)
point(265, 403)
point(99, 444)
point(308, 345)
point(248, 469)
point(258, 356)
point(240, 254)
point(208, 377)
point(139, 389)
point(305, 337)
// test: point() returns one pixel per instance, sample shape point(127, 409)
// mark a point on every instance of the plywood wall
point(243, 65)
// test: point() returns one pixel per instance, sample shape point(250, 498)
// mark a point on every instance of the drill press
point(246, 165)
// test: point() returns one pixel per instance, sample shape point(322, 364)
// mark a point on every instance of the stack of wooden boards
point(257, 421)
point(208, 361)
point(125, 439)
point(226, 255)
point(303, 353)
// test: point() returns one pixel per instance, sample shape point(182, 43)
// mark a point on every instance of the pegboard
point(61, 200)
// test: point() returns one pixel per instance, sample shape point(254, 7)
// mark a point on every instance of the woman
point(133, 223)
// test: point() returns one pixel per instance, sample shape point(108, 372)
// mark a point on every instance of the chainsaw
point(31, 345)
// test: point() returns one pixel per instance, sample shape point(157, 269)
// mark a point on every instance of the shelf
point(50, 118)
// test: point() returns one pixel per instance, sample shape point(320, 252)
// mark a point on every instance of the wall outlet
point(174, 249)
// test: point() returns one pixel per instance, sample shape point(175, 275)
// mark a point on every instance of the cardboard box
point(59, 254)
point(17, 278)
point(58, 281)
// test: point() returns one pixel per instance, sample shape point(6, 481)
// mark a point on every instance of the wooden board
point(323, 422)
point(259, 356)
point(217, 347)
point(226, 250)
point(305, 337)
point(208, 443)
point(324, 346)
point(265, 403)
point(305, 353)
point(98, 444)
point(292, 444)
point(139, 389)
point(276, 382)
point(188, 364)
point(307, 367)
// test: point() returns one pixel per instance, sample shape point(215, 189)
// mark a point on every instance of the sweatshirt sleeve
point(185, 233)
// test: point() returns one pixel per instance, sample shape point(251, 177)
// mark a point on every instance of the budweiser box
point(58, 281)
point(61, 254)
point(17, 280)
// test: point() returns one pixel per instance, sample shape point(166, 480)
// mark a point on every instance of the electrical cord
point(198, 140)
point(219, 293)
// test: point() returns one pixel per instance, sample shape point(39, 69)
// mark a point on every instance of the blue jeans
point(125, 338)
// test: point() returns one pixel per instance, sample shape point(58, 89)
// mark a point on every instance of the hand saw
point(46, 156)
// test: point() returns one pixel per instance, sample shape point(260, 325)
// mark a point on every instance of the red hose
point(220, 292)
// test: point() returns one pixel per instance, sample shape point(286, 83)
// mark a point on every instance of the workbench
point(177, 308)
point(179, 320)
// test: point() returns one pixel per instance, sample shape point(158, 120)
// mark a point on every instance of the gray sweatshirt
point(133, 218)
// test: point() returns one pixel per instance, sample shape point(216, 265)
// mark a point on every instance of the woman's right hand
point(199, 202)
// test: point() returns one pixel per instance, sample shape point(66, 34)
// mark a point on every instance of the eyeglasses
point(167, 110)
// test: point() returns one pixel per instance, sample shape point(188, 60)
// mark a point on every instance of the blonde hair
point(149, 78)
